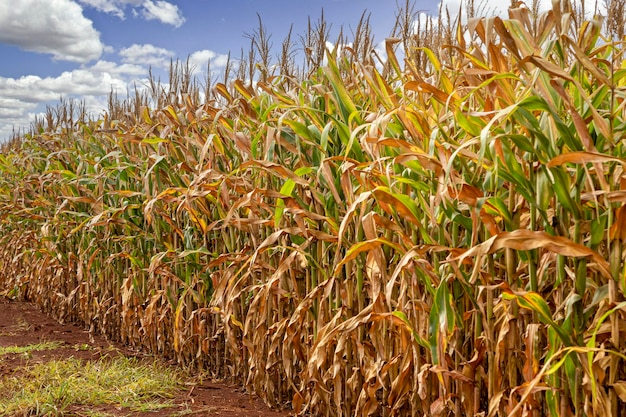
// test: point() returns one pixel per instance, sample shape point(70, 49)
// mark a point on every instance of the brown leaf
point(611, 196)
point(468, 194)
point(276, 169)
point(620, 390)
point(531, 364)
point(618, 229)
point(438, 407)
point(489, 222)
point(579, 123)
point(523, 239)
point(495, 404)
point(426, 161)
point(422, 87)
point(297, 402)
point(586, 62)
point(582, 158)
point(391, 201)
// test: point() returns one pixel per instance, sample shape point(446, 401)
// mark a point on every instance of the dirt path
point(22, 324)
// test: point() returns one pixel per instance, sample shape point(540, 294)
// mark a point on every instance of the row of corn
point(378, 238)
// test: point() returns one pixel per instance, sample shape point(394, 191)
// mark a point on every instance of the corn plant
point(436, 233)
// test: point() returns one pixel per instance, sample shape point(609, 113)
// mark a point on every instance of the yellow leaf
point(236, 322)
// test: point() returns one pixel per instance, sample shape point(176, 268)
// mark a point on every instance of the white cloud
point(15, 115)
point(381, 50)
point(21, 98)
point(146, 54)
point(116, 69)
point(114, 7)
point(35, 89)
point(482, 8)
point(57, 27)
point(9, 125)
point(162, 11)
point(13, 108)
point(199, 60)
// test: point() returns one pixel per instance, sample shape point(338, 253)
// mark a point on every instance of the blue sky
point(85, 48)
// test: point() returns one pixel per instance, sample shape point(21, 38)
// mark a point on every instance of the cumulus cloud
point(146, 55)
point(13, 108)
point(20, 98)
point(57, 27)
point(14, 116)
point(35, 89)
point(118, 70)
point(162, 11)
point(200, 59)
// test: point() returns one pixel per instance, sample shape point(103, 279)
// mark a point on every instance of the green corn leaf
point(441, 321)
point(402, 316)
point(533, 301)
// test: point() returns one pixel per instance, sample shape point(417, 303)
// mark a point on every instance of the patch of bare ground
point(23, 325)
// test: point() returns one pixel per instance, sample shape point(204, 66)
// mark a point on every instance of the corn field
point(436, 231)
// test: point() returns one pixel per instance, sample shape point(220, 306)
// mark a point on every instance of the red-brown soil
point(22, 324)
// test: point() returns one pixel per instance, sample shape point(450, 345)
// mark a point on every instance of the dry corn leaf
point(618, 229)
point(582, 158)
point(620, 390)
point(522, 239)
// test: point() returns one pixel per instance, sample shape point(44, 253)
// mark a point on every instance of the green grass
point(5, 350)
point(58, 387)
